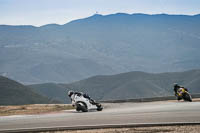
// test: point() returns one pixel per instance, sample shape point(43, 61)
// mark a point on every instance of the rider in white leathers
point(72, 94)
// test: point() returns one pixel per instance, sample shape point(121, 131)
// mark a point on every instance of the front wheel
point(81, 107)
point(78, 109)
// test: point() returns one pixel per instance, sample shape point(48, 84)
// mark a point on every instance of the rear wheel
point(187, 97)
point(99, 107)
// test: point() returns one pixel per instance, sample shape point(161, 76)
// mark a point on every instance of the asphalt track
point(113, 114)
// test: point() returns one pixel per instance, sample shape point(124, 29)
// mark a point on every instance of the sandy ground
point(33, 109)
point(160, 129)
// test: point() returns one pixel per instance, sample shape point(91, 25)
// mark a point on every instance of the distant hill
point(125, 85)
point(52, 90)
point(14, 93)
point(99, 45)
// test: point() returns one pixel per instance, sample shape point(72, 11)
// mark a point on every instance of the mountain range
point(123, 86)
point(14, 93)
point(100, 45)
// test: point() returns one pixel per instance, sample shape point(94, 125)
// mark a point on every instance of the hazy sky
point(40, 12)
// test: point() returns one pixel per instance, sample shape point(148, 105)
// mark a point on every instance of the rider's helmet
point(176, 85)
point(70, 93)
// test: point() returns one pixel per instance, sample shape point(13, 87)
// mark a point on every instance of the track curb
point(87, 127)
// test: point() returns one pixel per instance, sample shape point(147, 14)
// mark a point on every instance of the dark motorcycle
point(182, 93)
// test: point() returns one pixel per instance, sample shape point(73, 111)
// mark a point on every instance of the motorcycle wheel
point(179, 98)
point(99, 107)
point(81, 107)
point(78, 109)
point(187, 97)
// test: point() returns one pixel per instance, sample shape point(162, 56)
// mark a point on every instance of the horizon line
point(101, 15)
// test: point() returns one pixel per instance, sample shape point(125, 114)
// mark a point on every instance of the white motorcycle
point(83, 103)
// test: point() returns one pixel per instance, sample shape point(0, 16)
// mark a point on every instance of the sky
point(41, 12)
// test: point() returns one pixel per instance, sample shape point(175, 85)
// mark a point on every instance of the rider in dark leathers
point(176, 87)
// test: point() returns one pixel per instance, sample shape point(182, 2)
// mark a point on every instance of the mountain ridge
point(126, 14)
point(125, 85)
point(107, 44)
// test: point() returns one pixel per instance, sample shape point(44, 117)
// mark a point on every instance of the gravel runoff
point(158, 129)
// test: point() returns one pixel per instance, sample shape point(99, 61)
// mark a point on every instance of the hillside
point(99, 45)
point(125, 85)
point(14, 93)
point(52, 90)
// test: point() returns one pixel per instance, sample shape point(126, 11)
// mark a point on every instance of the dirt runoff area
point(159, 129)
point(33, 109)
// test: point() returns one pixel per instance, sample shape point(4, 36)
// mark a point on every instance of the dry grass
point(160, 129)
point(32, 109)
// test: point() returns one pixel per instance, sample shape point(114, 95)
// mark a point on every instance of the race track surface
point(113, 113)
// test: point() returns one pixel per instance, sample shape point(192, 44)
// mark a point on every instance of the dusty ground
point(32, 109)
point(161, 129)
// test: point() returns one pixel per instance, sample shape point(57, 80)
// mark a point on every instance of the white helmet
point(70, 93)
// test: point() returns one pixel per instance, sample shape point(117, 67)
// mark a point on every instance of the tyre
point(187, 97)
point(179, 98)
point(78, 109)
point(99, 107)
point(81, 107)
point(84, 109)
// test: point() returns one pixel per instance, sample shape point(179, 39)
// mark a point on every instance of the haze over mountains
point(124, 86)
point(100, 45)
